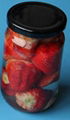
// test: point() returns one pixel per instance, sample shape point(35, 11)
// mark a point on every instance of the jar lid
point(36, 19)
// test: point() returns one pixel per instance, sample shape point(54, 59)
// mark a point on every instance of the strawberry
point(47, 57)
point(19, 46)
point(5, 84)
point(22, 75)
point(33, 100)
point(24, 45)
point(8, 90)
point(21, 53)
point(49, 79)
point(11, 51)
point(8, 45)
point(27, 43)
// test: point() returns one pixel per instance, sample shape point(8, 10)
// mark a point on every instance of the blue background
point(60, 110)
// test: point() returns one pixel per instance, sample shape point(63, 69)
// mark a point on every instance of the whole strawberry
point(33, 100)
point(47, 57)
point(22, 75)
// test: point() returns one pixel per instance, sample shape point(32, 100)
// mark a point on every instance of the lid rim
point(35, 30)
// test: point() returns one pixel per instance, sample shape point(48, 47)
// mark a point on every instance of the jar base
point(12, 102)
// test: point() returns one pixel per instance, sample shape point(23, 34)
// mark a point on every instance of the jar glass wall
point(31, 70)
point(32, 56)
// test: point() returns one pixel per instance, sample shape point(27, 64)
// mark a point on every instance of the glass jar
point(32, 56)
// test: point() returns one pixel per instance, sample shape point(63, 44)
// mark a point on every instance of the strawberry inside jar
point(34, 42)
point(19, 46)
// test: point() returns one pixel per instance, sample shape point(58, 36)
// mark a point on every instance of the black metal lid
point(36, 19)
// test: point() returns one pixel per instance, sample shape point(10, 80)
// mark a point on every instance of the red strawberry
point(8, 90)
point(8, 45)
point(49, 79)
point(11, 51)
point(47, 57)
point(33, 100)
point(22, 47)
point(22, 75)
point(27, 43)
point(21, 53)
point(5, 84)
